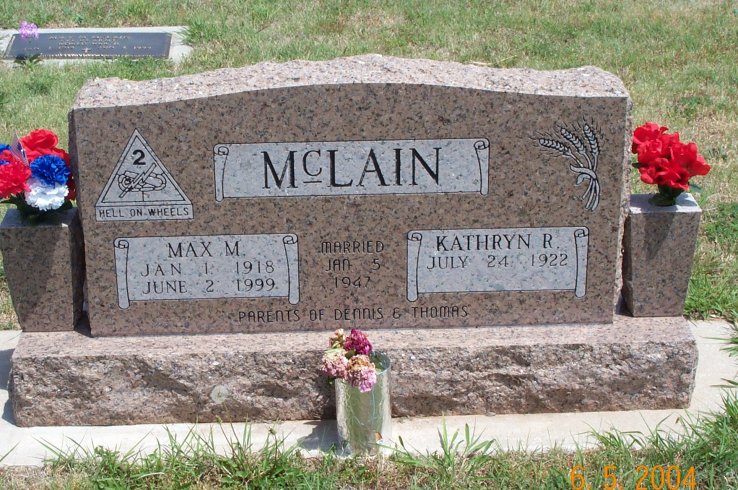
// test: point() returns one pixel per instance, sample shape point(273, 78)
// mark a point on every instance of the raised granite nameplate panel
point(207, 267)
point(506, 259)
point(351, 167)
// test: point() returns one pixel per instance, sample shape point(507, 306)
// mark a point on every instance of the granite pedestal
point(71, 379)
point(659, 245)
point(44, 268)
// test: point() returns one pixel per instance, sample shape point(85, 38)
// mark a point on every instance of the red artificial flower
point(650, 151)
point(688, 157)
point(659, 147)
point(664, 160)
point(648, 132)
point(7, 156)
point(42, 142)
point(664, 172)
point(13, 175)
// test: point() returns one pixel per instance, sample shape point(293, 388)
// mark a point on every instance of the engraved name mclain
point(351, 168)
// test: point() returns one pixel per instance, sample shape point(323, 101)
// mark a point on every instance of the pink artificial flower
point(28, 30)
point(334, 363)
point(358, 342)
point(362, 373)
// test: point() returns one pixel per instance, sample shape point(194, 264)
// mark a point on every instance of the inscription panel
point(206, 267)
point(502, 259)
point(351, 167)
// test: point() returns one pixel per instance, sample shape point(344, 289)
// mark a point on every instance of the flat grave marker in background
point(86, 44)
point(101, 45)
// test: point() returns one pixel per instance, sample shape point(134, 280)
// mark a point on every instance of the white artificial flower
point(45, 197)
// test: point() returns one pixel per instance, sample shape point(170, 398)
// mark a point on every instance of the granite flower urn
point(659, 244)
point(44, 268)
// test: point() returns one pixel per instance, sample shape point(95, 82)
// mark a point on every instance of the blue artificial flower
point(50, 169)
point(2, 149)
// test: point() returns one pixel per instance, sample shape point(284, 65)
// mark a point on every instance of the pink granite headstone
point(367, 191)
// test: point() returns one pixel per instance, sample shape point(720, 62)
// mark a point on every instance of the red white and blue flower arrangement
point(35, 175)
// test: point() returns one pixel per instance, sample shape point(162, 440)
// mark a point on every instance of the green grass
point(465, 461)
point(676, 58)
point(713, 287)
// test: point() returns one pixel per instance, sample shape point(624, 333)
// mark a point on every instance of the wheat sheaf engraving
point(581, 146)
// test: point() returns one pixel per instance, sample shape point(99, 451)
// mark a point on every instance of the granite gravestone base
point(469, 218)
point(72, 379)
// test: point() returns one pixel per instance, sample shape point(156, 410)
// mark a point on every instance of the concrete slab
point(29, 446)
point(178, 50)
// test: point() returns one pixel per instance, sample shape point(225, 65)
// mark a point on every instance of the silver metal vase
point(365, 419)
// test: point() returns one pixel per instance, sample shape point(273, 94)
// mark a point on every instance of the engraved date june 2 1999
point(207, 267)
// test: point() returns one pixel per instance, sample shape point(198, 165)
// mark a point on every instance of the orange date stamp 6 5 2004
point(647, 478)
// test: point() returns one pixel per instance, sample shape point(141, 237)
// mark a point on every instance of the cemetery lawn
point(710, 446)
point(677, 59)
